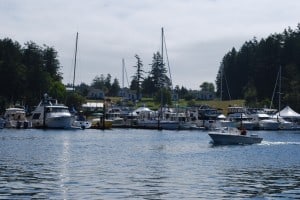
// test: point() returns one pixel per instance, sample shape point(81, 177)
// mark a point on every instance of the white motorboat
point(81, 122)
point(233, 136)
point(16, 118)
point(238, 115)
point(50, 114)
point(265, 122)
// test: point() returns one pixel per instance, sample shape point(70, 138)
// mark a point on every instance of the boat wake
point(269, 143)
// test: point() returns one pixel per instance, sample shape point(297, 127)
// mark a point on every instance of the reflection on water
point(140, 164)
point(274, 183)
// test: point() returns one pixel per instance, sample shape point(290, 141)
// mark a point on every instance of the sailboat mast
point(75, 61)
point(162, 45)
point(221, 89)
point(279, 91)
point(123, 71)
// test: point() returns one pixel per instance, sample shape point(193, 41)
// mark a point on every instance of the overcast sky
point(198, 32)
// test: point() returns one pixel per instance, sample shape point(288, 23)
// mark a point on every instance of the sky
point(198, 33)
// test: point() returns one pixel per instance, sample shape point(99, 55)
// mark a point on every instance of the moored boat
point(16, 118)
point(50, 114)
point(98, 123)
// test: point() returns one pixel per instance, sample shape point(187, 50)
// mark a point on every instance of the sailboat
point(159, 121)
point(286, 123)
point(80, 121)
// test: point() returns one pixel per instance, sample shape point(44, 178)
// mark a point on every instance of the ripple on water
point(145, 164)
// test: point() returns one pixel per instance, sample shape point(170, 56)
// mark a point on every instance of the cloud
point(198, 32)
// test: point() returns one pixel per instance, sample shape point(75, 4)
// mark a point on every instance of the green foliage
point(163, 97)
point(57, 90)
point(207, 87)
point(148, 87)
point(191, 103)
point(157, 74)
point(74, 100)
point(26, 73)
point(251, 72)
point(82, 89)
point(138, 77)
point(115, 88)
point(250, 94)
point(104, 83)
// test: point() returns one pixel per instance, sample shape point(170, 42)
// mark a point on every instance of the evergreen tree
point(158, 75)
point(207, 87)
point(251, 72)
point(115, 88)
point(138, 77)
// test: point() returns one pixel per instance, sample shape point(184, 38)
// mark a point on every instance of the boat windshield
point(57, 109)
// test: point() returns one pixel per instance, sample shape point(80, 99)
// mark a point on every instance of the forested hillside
point(251, 72)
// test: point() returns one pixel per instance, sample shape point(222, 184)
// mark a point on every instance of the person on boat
point(243, 131)
point(81, 116)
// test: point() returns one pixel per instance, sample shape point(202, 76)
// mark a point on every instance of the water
point(145, 164)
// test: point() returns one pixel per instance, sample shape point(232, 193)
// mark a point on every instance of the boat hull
point(268, 125)
point(167, 125)
point(231, 139)
point(82, 124)
point(59, 122)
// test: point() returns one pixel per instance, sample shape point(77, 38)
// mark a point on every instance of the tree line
point(251, 73)
point(27, 72)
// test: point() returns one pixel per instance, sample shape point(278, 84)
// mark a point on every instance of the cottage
point(128, 94)
point(205, 95)
point(95, 94)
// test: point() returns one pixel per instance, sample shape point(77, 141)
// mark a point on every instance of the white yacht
point(50, 114)
point(242, 119)
point(15, 118)
point(265, 122)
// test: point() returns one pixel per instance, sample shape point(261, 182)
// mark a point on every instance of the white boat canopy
point(288, 112)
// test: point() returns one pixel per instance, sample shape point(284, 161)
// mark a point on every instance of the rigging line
point(227, 86)
point(164, 39)
point(126, 75)
point(75, 62)
point(124, 71)
point(274, 89)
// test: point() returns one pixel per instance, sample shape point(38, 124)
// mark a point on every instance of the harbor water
point(145, 164)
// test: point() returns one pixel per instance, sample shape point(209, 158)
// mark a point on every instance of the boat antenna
point(75, 61)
